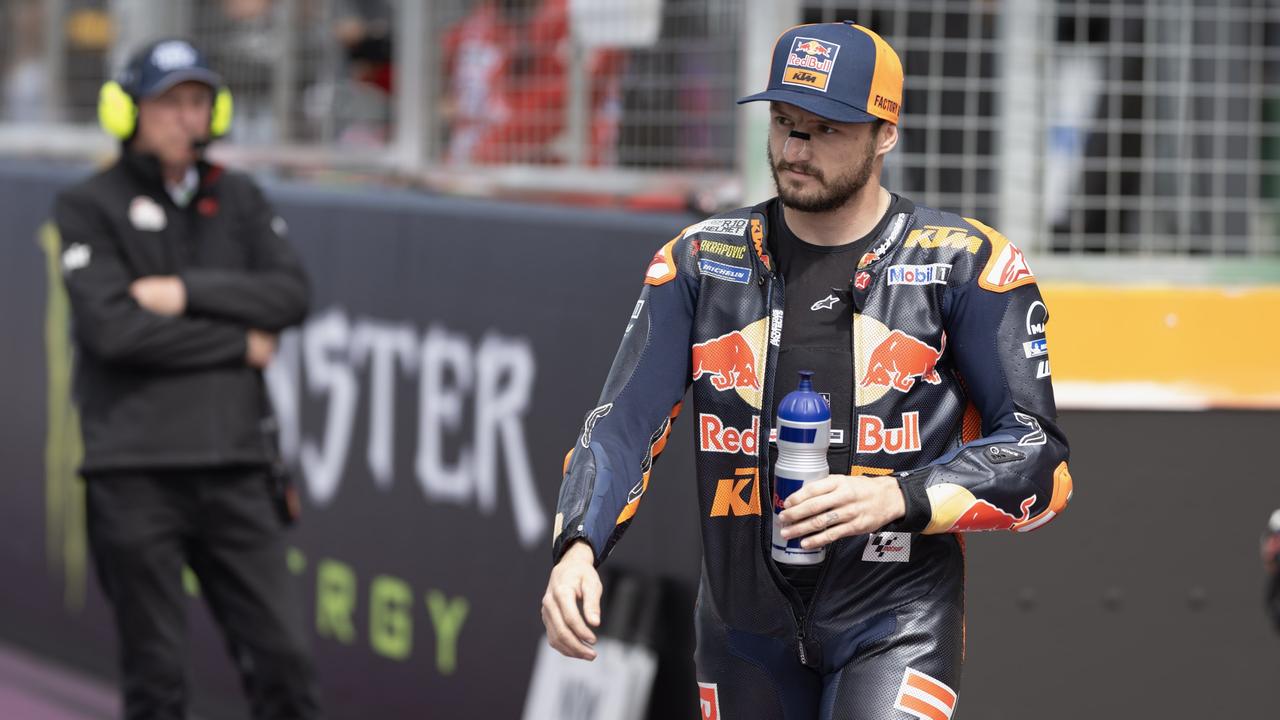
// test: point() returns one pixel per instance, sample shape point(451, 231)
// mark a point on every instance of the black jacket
point(158, 391)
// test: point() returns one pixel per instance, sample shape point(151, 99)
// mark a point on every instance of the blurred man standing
point(180, 279)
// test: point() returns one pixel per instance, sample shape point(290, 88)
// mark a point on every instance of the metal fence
point(1148, 128)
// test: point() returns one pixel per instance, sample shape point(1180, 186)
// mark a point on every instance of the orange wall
point(1163, 346)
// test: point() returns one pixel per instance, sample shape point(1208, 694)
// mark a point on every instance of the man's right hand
point(260, 348)
point(574, 578)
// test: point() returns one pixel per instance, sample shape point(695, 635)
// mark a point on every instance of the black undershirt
point(817, 335)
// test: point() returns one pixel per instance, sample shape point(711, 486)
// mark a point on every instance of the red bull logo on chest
point(901, 358)
point(734, 361)
point(728, 360)
point(873, 436)
point(809, 63)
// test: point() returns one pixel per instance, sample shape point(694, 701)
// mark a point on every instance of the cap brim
point(177, 77)
point(816, 104)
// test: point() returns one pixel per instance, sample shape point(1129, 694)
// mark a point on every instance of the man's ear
point(886, 138)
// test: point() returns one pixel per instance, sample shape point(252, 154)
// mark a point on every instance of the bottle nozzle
point(806, 380)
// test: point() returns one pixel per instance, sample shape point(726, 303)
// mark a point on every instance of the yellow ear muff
point(117, 113)
point(220, 122)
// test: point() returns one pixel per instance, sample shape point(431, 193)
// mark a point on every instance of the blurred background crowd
point(1130, 127)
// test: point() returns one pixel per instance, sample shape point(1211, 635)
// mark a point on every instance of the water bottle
point(804, 431)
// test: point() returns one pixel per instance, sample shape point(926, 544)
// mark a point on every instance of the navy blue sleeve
point(1015, 476)
point(607, 471)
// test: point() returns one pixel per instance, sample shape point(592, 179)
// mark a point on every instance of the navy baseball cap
point(164, 64)
point(840, 71)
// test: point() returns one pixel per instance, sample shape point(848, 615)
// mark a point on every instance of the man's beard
point(830, 196)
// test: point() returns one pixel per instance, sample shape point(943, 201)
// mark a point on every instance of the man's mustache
point(807, 169)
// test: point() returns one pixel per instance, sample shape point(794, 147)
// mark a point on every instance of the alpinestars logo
point(825, 303)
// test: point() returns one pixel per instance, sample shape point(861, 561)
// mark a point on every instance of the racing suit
point(952, 395)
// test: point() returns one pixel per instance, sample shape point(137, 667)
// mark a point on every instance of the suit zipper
point(853, 356)
point(853, 460)
point(798, 610)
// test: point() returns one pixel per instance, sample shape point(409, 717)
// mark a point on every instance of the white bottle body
point(802, 457)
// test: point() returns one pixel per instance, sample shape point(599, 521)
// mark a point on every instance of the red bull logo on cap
point(812, 47)
point(901, 358)
point(810, 62)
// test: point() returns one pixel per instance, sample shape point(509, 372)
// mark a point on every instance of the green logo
point(65, 545)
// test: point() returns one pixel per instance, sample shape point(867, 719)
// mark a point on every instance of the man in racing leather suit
point(945, 403)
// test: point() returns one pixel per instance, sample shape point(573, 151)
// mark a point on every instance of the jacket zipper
point(853, 457)
point(799, 610)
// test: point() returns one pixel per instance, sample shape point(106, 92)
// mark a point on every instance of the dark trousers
point(143, 527)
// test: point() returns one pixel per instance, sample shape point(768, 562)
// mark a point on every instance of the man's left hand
point(161, 294)
point(840, 506)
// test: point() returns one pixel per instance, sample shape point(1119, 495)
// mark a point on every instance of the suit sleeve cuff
point(566, 540)
point(918, 508)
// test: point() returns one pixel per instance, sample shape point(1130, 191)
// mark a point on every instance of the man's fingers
point(830, 535)
point(841, 497)
point(567, 602)
point(811, 489)
point(591, 591)
point(561, 639)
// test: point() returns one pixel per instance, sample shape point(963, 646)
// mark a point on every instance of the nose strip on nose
point(800, 141)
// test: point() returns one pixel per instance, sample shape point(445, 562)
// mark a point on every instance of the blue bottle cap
point(803, 404)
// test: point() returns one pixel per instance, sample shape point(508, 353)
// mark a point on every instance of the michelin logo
point(936, 273)
point(732, 273)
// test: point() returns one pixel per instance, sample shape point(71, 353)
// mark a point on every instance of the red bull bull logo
point(873, 436)
point(812, 47)
point(982, 515)
point(899, 359)
point(728, 360)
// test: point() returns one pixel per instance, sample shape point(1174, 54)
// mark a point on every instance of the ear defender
point(223, 109)
point(117, 113)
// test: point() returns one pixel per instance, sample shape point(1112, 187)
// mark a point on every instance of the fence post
point(416, 59)
point(1021, 139)
point(762, 22)
point(284, 81)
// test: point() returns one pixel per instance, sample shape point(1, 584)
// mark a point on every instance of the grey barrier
point(451, 352)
